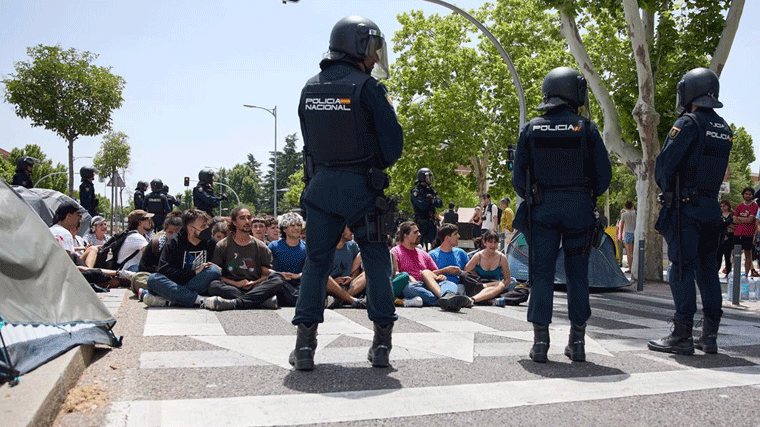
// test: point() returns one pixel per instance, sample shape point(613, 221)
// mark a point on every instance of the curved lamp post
point(273, 112)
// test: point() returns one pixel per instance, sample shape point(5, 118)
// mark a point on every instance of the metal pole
point(502, 52)
point(640, 260)
point(273, 112)
point(737, 275)
point(50, 174)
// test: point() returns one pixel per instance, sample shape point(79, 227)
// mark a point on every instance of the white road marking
point(408, 402)
point(196, 359)
point(274, 349)
point(181, 321)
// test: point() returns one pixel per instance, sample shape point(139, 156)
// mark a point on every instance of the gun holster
point(377, 180)
point(380, 222)
point(537, 194)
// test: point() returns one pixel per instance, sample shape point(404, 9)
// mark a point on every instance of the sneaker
point(154, 300)
point(332, 303)
point(453, 302)
point(141, 294)
point(412, 302)
point(359, 303)
point(125, 274)
point(270, 304)
point(218, 304)
point(499, 302)
point(398, 302)
point(471, 303)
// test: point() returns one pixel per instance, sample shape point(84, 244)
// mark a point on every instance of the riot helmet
point(156, 185)
point(206, 175)
point(165, 189)
point(87, 172)
point(425, 175)
point(142, 185)
point(699, 87)
point(358, 38)
point(563, 85)
point(25, 161)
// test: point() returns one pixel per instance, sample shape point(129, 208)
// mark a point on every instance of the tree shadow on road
point(331, 378)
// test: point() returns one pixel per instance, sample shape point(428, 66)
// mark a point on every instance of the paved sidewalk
point(38, 397)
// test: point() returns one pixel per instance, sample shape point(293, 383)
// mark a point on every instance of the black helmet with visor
point(359, 38)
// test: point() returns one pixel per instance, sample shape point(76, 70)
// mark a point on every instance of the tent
point(603, 271)
point(46, 305)
point(45, 201)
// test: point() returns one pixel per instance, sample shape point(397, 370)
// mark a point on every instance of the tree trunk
point(71, 167)
point(647, 119)
point(480, 169)
point(727, 37)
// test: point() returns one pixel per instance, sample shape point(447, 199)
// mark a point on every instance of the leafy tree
point(63, 91)
point(246, 183)
point(292, 197)
point(45, 167)
point(643, 48)
point(289, 161)
point(114, 155)
point(742, 155)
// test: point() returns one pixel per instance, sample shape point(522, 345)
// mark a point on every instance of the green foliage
point(63, 91)
point(114, 154)
point(246, 184)
point(289, 161)
point(742, 155)
point(292, 198)
point(45, 167)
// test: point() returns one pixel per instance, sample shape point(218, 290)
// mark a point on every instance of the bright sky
point(190, 66)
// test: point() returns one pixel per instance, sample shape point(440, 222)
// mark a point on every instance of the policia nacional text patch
point(674, 132)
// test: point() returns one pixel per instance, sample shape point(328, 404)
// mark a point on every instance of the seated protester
point(491, 266)
point(97, 235)
point(346, 267)
point(429, 282)
point(450, 259)
point(246, 263)
point(289, 257)
point(152, 252)
point(139, 223)
point(259, 228)
point(219, 231)
point(184, 270)
point(66, 223)
point(273, 229)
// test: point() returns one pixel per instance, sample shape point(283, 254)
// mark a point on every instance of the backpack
point(109, 252)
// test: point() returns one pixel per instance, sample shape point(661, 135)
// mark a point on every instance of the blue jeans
point(418, 289)
point(334, 199)
point(184, 295)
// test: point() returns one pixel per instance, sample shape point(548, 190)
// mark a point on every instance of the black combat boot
point(576, 346)
point(679, 341)
point(302, 358)
point(380, 351)
point(539, 351)
point(708, 341)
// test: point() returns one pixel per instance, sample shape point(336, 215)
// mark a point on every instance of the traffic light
point(510, 156)
point(187, 181)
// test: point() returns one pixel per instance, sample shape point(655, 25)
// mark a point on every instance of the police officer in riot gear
point(87, 190)
point(561, 166)
point(424, 201)
point(203, 193)
point(171, 199)
point(157, 204)
point(23, 175)
point(139, 198)
point(351, 134)
point(689, 171)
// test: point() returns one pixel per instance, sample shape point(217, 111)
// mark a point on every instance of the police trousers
point(334, 199)
point(693, 257)
point(563, 218)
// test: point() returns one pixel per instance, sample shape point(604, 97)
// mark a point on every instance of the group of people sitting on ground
point(245, 262)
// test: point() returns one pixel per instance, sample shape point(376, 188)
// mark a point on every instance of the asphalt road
point(192, 367)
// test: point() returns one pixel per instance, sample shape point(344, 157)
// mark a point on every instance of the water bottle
point(754, 285)
point(744, 290)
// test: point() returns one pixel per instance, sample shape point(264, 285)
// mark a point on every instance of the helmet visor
point(378, 51)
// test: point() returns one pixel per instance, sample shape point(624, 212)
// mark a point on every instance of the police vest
point(154, 203)
point(338, 134)
point(705, 165)
point(139, 199)
point(558, 150)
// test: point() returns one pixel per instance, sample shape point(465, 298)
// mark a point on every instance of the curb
point(37, 399)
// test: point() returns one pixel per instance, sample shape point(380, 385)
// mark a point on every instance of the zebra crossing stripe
point(294, 409)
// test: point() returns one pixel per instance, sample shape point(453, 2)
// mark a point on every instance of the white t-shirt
point(133, 242)
point(64, 237)
point(491, 212)
point(629, 221)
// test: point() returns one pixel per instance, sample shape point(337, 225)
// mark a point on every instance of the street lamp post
point(273, 112)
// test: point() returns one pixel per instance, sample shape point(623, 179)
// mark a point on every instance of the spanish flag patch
point(674, 132)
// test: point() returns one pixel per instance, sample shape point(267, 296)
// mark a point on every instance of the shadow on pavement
point(331, 378)
point(581, 371)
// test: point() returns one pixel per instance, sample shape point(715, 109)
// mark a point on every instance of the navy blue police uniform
point(571, 167)
point(695, 154)
point(87, 197)
point(22, 178)
point(204, 198)
point(157, 204)
point(139, 199)
point(348, 126)
point(425, 201)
